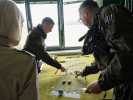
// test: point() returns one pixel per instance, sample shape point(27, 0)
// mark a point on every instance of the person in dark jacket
point(35, 43)
point(114, 23)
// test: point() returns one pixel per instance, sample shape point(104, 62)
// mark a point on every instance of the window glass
point(73, 29)
point(38, 12)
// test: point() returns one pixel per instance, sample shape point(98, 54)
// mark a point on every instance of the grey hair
point(88, 5)
point(11, 20)
point(48, 20)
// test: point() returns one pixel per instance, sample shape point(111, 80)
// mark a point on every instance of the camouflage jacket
point(35, 45)
point(116, 25)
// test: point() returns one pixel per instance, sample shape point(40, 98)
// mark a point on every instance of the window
point(72, 28)
point(38, 12)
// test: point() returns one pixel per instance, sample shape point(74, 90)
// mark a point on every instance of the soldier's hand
point(78, 73)
point(93, 88)
point(63, 69)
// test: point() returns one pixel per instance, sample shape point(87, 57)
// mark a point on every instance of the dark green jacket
point(35, 45)
point(118, 32)
point(116, 25)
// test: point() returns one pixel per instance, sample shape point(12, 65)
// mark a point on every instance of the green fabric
point(118, 34)
point(48, 79)
point(18, 74)
point(82, 38)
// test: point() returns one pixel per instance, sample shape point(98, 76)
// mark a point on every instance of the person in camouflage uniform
point(35, 43)
point(110, 39)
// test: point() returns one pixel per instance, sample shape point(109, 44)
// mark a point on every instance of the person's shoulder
point(34, 33)
point(112, 7)
point(109, 5)
point(108, 10)
point(25, 60)
point(24, 53)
